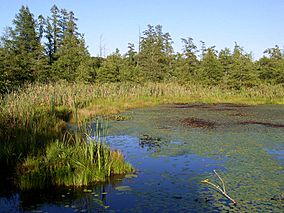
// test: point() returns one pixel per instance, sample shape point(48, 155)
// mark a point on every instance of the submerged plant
point(219, 188)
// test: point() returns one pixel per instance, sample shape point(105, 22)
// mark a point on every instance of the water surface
point(173, 148)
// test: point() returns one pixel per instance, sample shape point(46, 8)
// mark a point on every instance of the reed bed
point(24, 103)
point(37, 106)
point(70, 95)
point(37, 114)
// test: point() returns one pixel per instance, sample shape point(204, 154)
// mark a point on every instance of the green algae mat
point(175, 147)
point(245, 144)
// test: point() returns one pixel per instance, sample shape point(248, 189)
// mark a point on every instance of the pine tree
point(226, 60)
point(271, 68)
point(243, 72)
point(11, 70)
point(53, 34)
point(187, 62)
point(211, 69)
point(23, 51)
point(3, 76)
point(129, 69)
point(71, 55)
point(131, 54)
point(155, 57)
point(40, 26)
point(55, 31)
point(111, 68)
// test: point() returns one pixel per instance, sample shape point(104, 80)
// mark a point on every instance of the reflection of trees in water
point(96, 200)
point(92, 198)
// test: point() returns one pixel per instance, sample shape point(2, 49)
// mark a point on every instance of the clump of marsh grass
point(76, 161)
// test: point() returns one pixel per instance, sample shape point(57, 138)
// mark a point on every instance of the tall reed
point(39, 113)
point(76, 161)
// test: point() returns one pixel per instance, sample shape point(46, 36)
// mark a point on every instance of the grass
point(94, 99)
point(76, 161)
point(38, 114)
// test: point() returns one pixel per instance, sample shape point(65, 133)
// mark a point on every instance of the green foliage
point(63, 55)
point(155, 57)
point(271, 69)
point(86, 70)
point(36, 115)
point(22, 55)
point(243, 71)
point(186, 64)
point(51, 49)
point(211, 69)
point(73, 162)
point(73, 60)
point(130, 70)
point(3, 72)
point(110, 69)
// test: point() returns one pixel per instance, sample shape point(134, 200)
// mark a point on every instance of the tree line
point(48, 49)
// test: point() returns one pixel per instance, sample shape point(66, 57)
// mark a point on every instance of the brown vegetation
point(198, 123)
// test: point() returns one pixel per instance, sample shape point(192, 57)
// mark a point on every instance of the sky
point(254, 24)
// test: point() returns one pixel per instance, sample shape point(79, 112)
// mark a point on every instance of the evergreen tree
point(53, 34)
point(111, 68)
point(55, 30)
point(211, 69)
point(71, 25)
point(72, 58)
point(24, 58)
point(49, 46)
point(71, 55)
point(3, 77)
point(129, 70)
point(187, 62)
point(62, 22)
point(155, 57)
point(131, 54)
point(40, 26)
point(226, 60)
point(271, 68)
point(10, 69)
point(243, 72)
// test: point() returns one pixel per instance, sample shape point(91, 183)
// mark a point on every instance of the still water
point(174, 148)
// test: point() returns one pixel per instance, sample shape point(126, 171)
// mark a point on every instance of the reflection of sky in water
point(162, 182)
point(278, 154)
point(174, 158)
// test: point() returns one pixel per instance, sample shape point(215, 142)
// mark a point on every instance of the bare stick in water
point(220, 189)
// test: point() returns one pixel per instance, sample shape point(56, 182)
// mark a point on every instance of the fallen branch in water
point(220, 189)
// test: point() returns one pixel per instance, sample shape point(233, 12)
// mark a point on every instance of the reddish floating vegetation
point(217, 107)
point(234, 105)
point(188, 106)
point(222, 109)
point(262, 123)
point(239, 114)
point(198, 123)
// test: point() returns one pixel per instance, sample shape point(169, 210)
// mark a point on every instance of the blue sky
point(254, 24)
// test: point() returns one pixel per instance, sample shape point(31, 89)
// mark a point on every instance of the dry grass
point(40, 112)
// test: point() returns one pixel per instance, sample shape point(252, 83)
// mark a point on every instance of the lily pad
point(130, 176)
point(87, 190)
point(123, 188)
